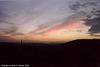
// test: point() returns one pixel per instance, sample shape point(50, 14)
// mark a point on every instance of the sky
point(49, 20)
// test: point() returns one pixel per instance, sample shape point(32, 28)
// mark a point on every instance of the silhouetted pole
point(21, 43)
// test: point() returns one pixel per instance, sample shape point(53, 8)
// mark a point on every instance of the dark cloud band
point(94, 23)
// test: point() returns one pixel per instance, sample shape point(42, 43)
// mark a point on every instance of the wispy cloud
point(33, 17)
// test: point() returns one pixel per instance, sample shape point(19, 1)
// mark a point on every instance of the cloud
point(5, 25)
point(95, 35)
point(38, 17)
point(5, 38)
point(94, 22)
point(43, 28)
point(77, 5)
point(35, 18)
point(10, 29)
point(3, 16)
point(18, 33)
point(91, 8)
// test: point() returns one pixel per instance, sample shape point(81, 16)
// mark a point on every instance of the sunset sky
point(49, 20)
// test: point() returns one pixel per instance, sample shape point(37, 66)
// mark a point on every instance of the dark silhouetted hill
point(78, 53)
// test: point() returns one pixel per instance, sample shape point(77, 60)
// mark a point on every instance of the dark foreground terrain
point(78, 53)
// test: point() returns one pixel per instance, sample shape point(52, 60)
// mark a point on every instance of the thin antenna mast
point(21, 43)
